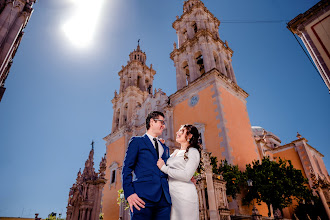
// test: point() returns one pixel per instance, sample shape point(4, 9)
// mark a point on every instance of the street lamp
point(249, 182)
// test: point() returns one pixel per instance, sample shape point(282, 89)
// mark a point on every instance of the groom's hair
point(153, 115)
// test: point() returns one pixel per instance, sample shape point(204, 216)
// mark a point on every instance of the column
point(222, 65)
point(324, 201)
point(7, 45)
point(232, 72)
point(180, 79)
point(194, 73)
point(88, 214)
point(214, 215)
point(206, 57)
point(83, 217)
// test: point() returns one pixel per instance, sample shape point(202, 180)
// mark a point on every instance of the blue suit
point(148, 182)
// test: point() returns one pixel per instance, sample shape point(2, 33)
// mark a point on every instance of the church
point(208, 97)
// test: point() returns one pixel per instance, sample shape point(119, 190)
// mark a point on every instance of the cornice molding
point(305, 18)
point(195, 40)
point(207, 78)
point(135, 63)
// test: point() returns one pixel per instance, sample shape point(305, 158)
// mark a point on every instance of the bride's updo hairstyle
point(194, 140)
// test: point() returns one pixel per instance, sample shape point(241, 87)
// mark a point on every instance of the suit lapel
point(150, 145)
point(166, 153)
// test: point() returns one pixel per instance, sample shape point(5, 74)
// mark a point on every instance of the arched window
point(113, 169)
point(184, 35)
point(194, 26)
point(185, 68)
point(200, 62)
point(125, 113)
point(227, 70)
point(139, 82)
point(117, 118)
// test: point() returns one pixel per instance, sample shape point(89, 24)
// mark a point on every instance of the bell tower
point(136, 80)
point(207, 91)
point(131, 104)
point(208, 95)
point(199, 48)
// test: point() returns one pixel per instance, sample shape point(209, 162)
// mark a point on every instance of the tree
point(52, 216)
point(275, 183)
point(231, 174)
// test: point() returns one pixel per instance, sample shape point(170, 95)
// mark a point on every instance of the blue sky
point(58, 96)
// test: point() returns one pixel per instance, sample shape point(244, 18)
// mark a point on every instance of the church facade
point(207, 96)
point(14, 16)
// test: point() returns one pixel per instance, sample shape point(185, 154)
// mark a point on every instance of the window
point(200, 62)
point(194, 26)
point(186, 71)
point(113, 174)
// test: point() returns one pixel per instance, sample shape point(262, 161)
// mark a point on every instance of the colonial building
point(303, 157)
point(207, 96)
point(14, 16)
point(85, 195)
point(313, 27)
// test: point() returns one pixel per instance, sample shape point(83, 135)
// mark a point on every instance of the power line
point(253, 21)
point(240, 21)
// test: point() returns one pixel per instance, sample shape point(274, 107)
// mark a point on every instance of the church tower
point(14, 16)
point(136, 80)
point(131, 105)
point(200, 48)
point(208, 95)
point(85, 195)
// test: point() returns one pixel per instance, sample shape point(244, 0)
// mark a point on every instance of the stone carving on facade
point(278, 214)
point(211, 192)
point(298, 135)
point(255, 214)
point(84, 201)
point(14, 16)
point(322, 186)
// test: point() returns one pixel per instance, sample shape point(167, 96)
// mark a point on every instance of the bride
point(180, 168)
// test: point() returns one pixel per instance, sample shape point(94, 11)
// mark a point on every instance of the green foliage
point(52, 216)
point(121, 199)
point(275, 183)
point(101, 216)
point(231, 174)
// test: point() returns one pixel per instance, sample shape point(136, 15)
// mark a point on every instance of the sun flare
point(80, 29)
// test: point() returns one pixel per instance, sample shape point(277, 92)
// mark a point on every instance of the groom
point(147, 189)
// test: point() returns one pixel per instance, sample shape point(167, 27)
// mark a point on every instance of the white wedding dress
point(183, 192)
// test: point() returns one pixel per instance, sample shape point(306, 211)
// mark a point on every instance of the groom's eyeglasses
point(161, 121)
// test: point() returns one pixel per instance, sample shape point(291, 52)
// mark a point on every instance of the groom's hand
point(135, 200)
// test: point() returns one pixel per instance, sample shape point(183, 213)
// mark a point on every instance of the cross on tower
point(92, 144)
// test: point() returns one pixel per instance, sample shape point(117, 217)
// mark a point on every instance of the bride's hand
point(162, 140)
point(160, 163)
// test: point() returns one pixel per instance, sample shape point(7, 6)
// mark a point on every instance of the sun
point(80, 29)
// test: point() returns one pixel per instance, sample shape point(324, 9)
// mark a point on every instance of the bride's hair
point(194, 141)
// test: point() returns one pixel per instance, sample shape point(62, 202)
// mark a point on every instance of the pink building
point(313, 28)
point(14, 15)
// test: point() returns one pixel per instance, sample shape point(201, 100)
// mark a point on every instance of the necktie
point(156, 145)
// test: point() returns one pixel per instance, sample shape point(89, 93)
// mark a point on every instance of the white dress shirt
point(160, 147)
